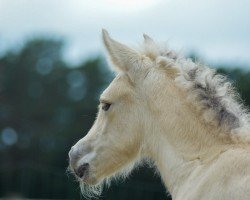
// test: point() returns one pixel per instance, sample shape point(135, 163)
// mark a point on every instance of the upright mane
point(212, 94)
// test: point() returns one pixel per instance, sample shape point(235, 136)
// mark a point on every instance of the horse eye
point(106, 106)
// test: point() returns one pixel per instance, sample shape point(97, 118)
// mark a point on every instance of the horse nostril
point(82, 170)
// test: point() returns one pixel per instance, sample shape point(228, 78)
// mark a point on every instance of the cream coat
point(176, 113)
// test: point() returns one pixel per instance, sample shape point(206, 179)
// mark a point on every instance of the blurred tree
point(46, 105)
point(241, 80)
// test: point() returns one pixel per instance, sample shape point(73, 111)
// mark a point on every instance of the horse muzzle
point(79, 159)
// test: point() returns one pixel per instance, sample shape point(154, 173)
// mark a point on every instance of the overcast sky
point(218, 30)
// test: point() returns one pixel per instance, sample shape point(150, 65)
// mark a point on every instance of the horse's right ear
point(122, 57)
point(148, 40)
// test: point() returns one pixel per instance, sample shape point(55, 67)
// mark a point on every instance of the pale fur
point(178, 114)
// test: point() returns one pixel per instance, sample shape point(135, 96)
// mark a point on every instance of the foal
point(178, 114)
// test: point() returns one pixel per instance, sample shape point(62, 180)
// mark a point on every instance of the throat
point(170, 165)
point(181, 150)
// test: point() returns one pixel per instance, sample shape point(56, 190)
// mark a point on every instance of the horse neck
point(181, 141)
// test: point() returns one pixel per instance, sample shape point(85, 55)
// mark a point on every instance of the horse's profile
point(178, 114)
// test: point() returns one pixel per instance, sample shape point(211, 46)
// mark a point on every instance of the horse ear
point(121, 56)
point(148, 40)
point(151, 48)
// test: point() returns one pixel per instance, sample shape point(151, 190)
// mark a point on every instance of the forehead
point(120, 87)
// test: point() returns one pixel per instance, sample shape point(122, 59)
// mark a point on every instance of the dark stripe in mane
point(211, 93)
point(209, 98)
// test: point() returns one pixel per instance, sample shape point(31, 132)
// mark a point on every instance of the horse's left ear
point(123, 57)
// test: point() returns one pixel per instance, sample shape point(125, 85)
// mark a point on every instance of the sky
point(217, 30)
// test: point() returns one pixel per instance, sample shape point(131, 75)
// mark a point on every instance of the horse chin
point(89, 180)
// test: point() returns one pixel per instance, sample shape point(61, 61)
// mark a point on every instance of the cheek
point(121, 137)
point(118, 128)
point(114, 157)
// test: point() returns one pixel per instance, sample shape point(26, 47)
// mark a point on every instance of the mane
point(212, 94)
